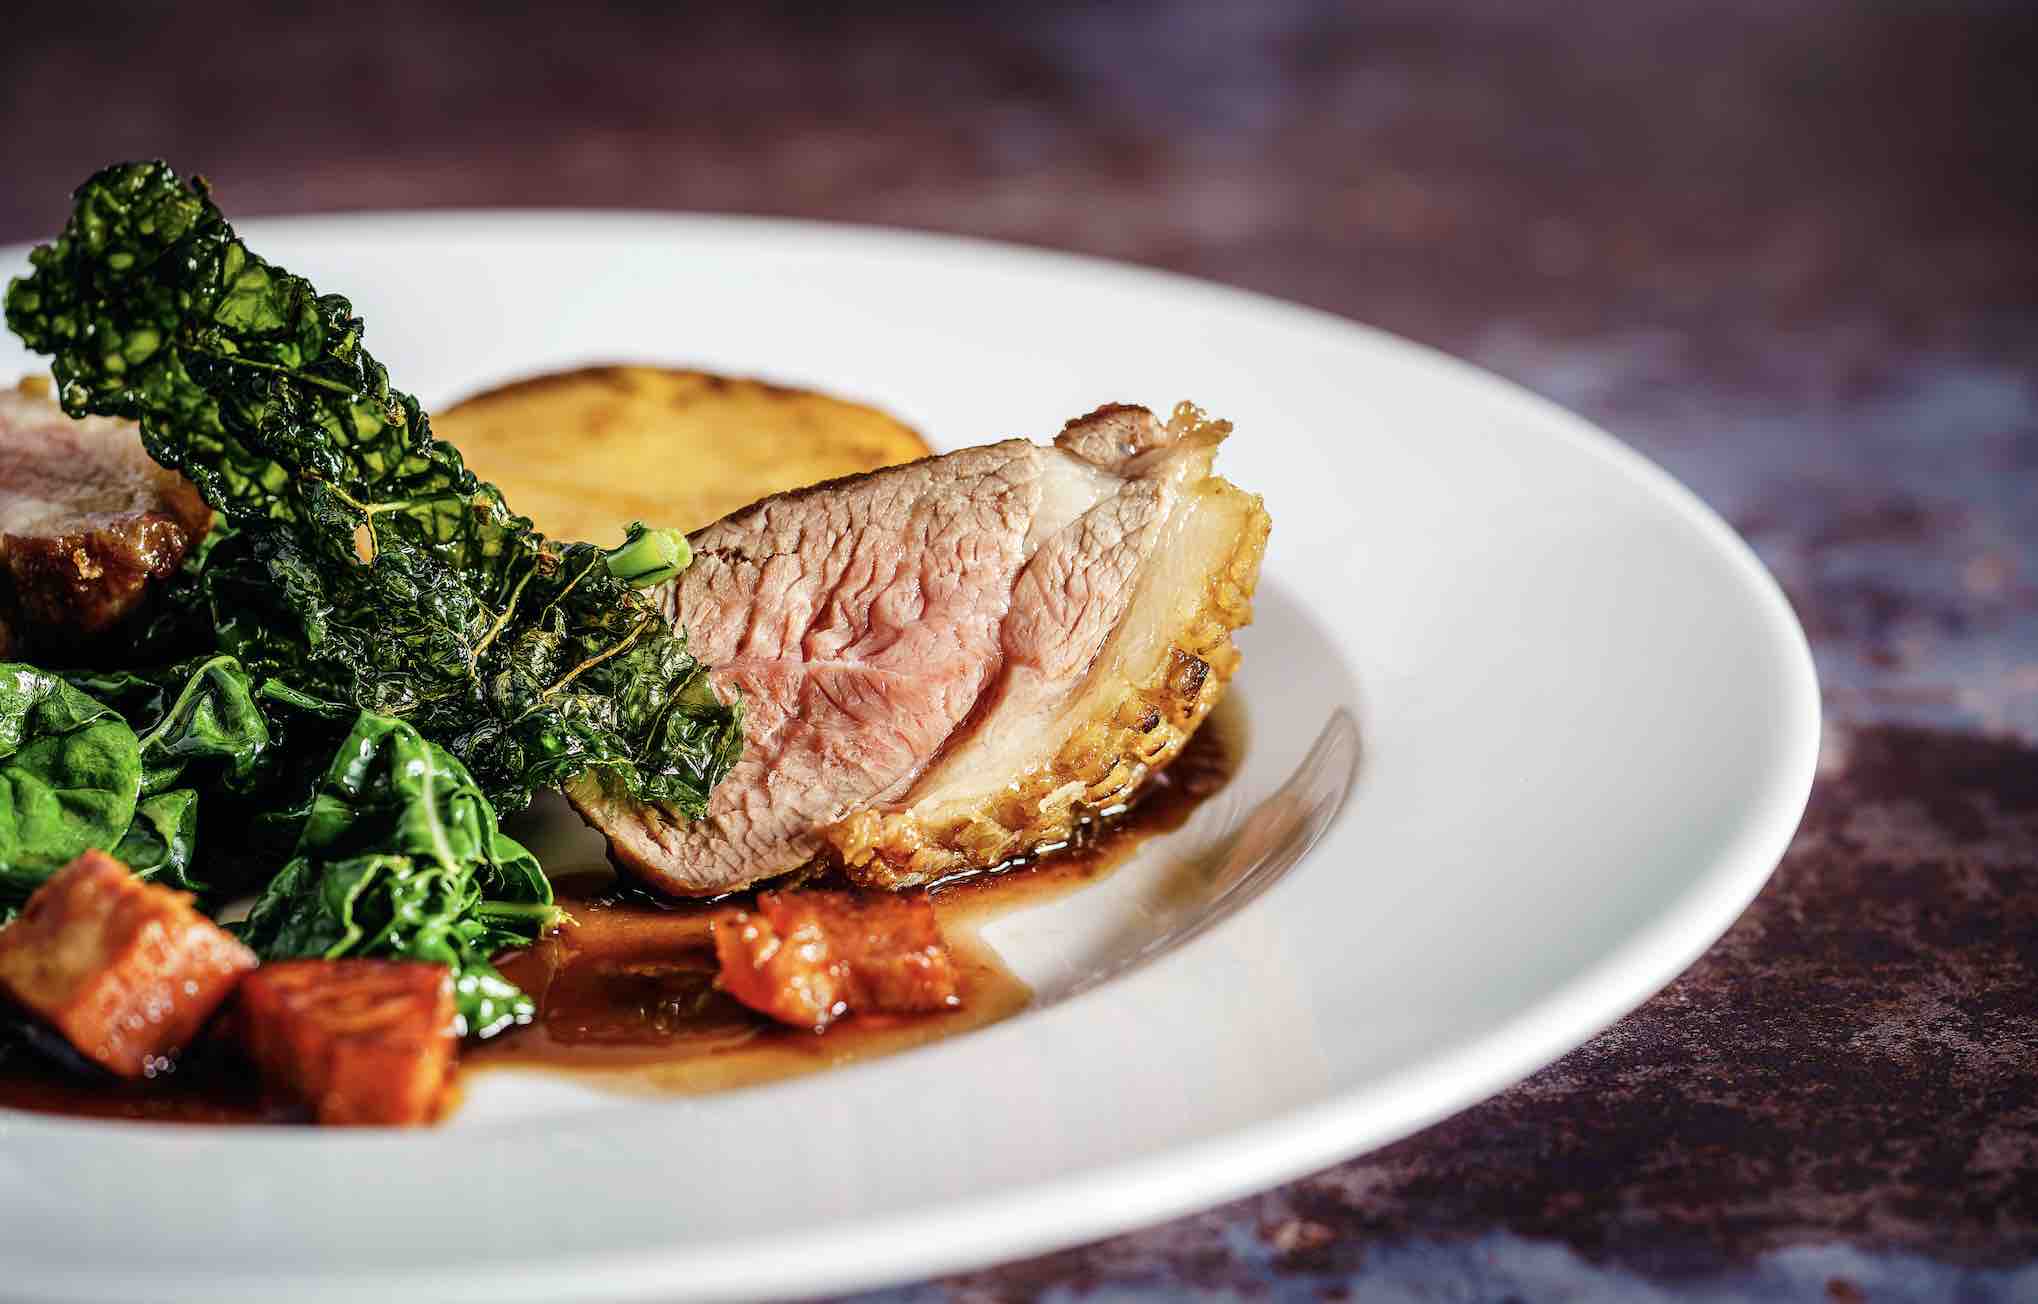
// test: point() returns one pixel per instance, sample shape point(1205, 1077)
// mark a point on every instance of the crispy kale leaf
point(363, 563)
point(400, 856)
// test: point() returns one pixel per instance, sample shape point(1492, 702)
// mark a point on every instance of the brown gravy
point(626, 996)
point(208, 1085)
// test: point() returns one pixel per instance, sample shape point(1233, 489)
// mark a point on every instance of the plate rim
point(1043, 1215)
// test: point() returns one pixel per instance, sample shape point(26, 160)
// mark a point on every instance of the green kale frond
point(362, 562)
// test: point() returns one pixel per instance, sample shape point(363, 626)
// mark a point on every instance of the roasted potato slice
point(584, 453)
point(127, 971)
point(360, 1041)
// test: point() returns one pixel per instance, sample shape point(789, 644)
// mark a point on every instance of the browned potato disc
point(584, 453)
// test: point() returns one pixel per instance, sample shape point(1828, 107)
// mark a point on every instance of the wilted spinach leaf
point(400, 856)
point(213, 720)
point(200, 712)
point(200, 727)
point(163, 839)
point(70, 773)
point(255, 750)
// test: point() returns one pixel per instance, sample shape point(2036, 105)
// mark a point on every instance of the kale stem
point(595, 660)
point(393, 504)
point(509, 608)
point(301, 377)
point(571, 584)
point(366, 509)
point(404, 504)
point(545, 913)
point(649, 557)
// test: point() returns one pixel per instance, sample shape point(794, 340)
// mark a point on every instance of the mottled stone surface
point(1789, 249)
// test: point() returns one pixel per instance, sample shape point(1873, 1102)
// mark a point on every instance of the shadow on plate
point(1294, 685)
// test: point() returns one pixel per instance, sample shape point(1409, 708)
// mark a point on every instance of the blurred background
point(1788, 248)
point(1452, 170)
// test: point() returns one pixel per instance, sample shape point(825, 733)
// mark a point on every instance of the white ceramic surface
point(1586, 723)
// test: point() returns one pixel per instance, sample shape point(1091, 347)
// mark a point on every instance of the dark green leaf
point(70, 773)
point(202, 725)
point(400, 855)
point(531, 662)
point(212, 720)
point(163, 839)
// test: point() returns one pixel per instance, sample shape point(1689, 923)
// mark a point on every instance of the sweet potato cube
point(790, 976)
point(127, 971)
point(359, 1041)
point(805, 958)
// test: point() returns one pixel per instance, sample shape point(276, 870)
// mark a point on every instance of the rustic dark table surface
point(1788, 249)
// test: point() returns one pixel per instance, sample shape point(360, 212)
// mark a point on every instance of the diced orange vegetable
point(359, 1041)
point(806, 958)
point(127, 971)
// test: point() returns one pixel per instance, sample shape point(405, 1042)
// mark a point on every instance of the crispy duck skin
point(807, 958)
point(948, 664)
point(360, 1042)
point(88, 525)
point(127, 971)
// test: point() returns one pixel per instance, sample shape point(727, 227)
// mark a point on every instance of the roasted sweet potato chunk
point(358, 1041)
point(806, 958)
point(125, 970)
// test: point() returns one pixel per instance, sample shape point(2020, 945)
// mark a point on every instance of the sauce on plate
point(626, 996)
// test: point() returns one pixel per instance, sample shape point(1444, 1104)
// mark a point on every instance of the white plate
point(1587, 719)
